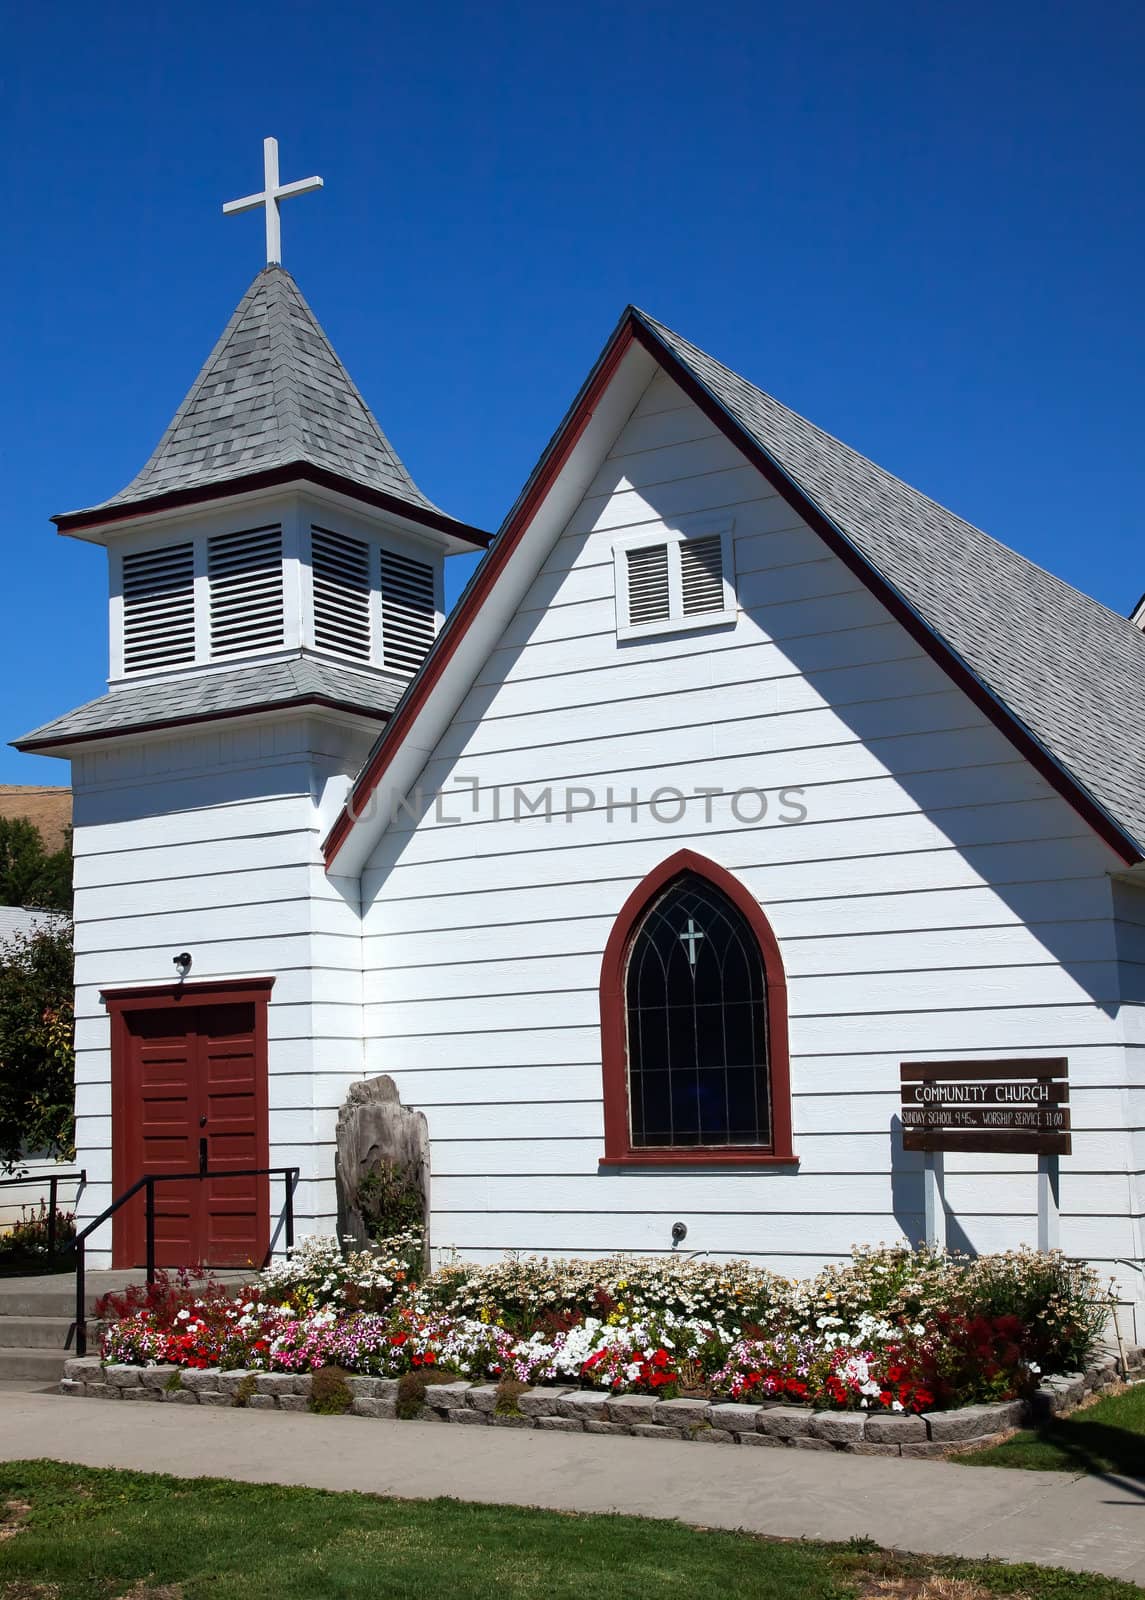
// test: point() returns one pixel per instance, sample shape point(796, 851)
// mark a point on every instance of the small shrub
point(1058, 1302)
point(390, 1198)
point(244, 1389)
point(509, 1392)
point(411, 1396)
point(30, 1236)
point(330, 1394)
point(174, 1383)
point(185, 1289)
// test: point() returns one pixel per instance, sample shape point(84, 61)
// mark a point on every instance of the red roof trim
point(632, 328)
point(272, 478)
point(484, 579)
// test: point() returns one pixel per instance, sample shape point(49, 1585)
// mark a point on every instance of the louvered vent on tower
point(159, 608)
point(409, 611)
point(647, 584)
point(341, 571)
point(702, 574)
point(244, 572)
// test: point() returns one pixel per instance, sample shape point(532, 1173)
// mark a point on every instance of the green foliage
point(30, 875)
point(391, 1200)
point(509, 1392)
point(174, 1383)
point(330, 1394)
point(244, 1390)
point(1059, 1302)
point(37, 1059)
point(91, 1532)
point(411, 1396)
point(28, 1240)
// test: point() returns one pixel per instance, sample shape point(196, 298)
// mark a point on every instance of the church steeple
point(272, 402)
point(273, 551)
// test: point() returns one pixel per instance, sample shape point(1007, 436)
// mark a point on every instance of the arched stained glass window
point(694, 1024)
point(696, 1004)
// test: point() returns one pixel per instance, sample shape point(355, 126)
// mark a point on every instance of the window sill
point(698, 1158)
point(692, 624)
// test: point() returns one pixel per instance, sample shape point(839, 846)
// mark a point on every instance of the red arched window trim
point(618, 1149)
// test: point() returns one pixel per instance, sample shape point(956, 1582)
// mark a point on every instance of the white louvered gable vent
point(341, 573)
point(409, 611)
point(244, 573)
point(648, 585)
point(159, 608)
point(702, 575)
point(682, 581)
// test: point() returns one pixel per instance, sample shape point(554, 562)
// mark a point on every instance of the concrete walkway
point(1091, 1524)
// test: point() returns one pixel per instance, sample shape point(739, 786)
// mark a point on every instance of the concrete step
point(34, 1333)
point(44, 1366)
point(26, 1297)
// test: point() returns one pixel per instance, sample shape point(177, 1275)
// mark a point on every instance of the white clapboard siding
point(792, 896)
point(223, 859)
point(953, 956)
point(825, 659)
point(767, 1196)
point(631, 816)
point(848, 918)
point(939, 899)
point(727, 702)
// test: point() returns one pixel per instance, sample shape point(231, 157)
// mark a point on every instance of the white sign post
point(933, 1208)
point(1049, 1177)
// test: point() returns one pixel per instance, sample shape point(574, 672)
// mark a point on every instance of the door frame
point(123, 1003)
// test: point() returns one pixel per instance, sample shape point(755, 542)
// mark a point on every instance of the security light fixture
point(182, 962)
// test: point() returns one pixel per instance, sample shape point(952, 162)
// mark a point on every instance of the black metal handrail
point(289, 1175)
point(53, 1181)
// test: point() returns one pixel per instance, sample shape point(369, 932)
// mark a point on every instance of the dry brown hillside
point(50, 810)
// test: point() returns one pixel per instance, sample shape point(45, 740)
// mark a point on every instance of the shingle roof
point(161, 702)
point(18, 924)
point(1071, 670)
point(272, 394)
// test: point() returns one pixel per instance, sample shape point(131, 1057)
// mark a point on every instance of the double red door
point(189, 1093)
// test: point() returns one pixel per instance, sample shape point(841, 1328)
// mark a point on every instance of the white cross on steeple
point(691, 936)
point(272, 193)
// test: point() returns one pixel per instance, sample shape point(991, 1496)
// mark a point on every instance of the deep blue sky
point(920, 225)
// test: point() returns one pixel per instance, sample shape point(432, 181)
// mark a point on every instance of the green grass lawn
point(73, 1533)
point(1108, 1436)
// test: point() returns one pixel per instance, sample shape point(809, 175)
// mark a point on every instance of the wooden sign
point(1005, 1107)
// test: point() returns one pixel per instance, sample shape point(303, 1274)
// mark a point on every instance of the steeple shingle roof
point(272, 395)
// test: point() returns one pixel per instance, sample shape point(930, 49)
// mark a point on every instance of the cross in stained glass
point(691, 936)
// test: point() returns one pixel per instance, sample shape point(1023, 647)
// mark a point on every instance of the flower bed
point(893, 1331)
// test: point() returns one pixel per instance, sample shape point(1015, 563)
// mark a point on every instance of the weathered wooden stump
point(381, 1160)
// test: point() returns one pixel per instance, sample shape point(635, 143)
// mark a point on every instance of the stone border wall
point(572, 1410)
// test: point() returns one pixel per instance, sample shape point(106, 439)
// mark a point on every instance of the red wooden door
point(189, 1090)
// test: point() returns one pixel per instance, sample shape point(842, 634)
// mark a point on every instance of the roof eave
point(107, 516)
point(31, 745)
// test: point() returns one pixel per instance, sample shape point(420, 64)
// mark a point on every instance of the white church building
point(741, 773)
